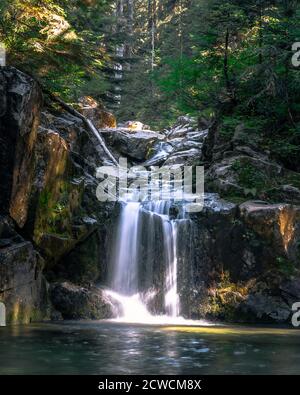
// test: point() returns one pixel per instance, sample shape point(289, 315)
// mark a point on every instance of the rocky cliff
point(55, 237)
point(50, 217)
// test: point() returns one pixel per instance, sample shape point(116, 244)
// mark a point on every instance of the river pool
point(114, 348)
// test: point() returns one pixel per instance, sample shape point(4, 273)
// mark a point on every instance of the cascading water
point(171, 297)
point(126, 253)
point(127, 258)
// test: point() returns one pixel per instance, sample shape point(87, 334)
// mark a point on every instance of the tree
point(63, 43)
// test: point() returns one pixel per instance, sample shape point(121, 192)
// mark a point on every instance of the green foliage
point(249, 177)
point(59, 42)
point(226, 59)
point(231, 57)
point(54, 213)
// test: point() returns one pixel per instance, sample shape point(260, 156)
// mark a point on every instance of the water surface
point(114, 348)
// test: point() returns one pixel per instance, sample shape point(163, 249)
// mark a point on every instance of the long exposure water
point(97, 348)
point(126, 260)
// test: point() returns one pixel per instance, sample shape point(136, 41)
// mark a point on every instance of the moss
point(56, 209)
point(226, 298)
point(249, 176)
point(45, 198)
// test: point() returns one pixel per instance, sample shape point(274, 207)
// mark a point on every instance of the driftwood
point(88, 123)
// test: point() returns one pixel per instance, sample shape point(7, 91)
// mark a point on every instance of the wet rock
point(284, 193)
point(135, 125)
point(48, 187)
point(23, 288)
point(133, 145)
point(182, 145)
point(20, 108)
point(278, 224)
point(186, 120)
point(85, 263)
point(78, 303)
point(186, 157)
point(241, 174)
point(159, 153)
point(96, 112)
point(265, 308)
point(246, 261)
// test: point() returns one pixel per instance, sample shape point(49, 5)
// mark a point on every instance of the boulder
point(78, 303)
point(96, 112)
point(277, 224)
point(284, 193)
point(135, 125)
point(135, 145)
point(265, 308)
point(240, 174)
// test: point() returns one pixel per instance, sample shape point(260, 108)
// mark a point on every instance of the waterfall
point(171, 297)
point(125, 263)
point(127, 257)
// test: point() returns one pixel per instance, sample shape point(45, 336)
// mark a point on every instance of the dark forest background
point(154, 60)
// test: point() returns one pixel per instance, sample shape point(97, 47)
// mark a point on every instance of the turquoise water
point(112, 348)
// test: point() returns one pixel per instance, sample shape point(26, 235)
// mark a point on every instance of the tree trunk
point(88, 123)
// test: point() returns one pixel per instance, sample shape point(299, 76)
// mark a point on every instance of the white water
point(171, 296)
point(125, 260)
point(131, 304)
point(134, 311)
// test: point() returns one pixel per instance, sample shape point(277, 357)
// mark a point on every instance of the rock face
point(244, 173)
point(48, 188)
point(20, 106)
point(246, 266)
point(246, 260)
point(23, 288)
point(182, 145)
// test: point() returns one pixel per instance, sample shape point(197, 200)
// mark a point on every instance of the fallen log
point(88, 123)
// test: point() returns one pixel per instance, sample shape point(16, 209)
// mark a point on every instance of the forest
point(224, 60)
